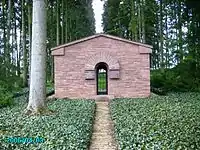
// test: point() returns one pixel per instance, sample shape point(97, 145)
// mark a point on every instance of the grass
point(69, 128)
point(101, 82)
point(159, 122)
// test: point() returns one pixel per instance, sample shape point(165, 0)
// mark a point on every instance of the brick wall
point(133, 61)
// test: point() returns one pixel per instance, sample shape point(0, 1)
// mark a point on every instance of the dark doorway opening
point(102, 78)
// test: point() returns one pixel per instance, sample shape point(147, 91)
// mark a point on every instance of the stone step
point(108, 143)
point(102, 99)
point(102, 112)
point(102, 115)
point(102, 130)
point(102, 108)
point(103, 148)
point(102, 103)
point(104, 133)
point(99, 128)
point(101, 145)
point(102, 141)
point(101, 118)
point(102, 123)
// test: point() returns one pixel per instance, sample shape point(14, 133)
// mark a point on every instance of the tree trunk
point(50, 61)
point(133, 22)
point(19, 51)
point(7, 50)
point(62, 34)
point(139, 21)
point(4, 33)
point(57, 35)
point(12, 50)
point(13, 38)
point(167, 42)
point(161, 35)
point(180, 40)
point(70, 29)
point(66, 23)
point(58, 23)
point(143, 21)
point(37, 94)
point(25, 65)
point(16, 46)
point(136, 21)
point(29, 33)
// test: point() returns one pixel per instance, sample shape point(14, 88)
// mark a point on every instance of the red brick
point(132, 60)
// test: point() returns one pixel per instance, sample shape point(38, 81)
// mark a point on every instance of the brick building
point(102, 66)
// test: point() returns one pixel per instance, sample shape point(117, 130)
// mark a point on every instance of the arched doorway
point(102, 78)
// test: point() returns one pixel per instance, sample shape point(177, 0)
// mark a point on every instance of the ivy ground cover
point(158, 122)
point(70, 127)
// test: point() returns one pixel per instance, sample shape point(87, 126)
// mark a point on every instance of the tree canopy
point(171, 27)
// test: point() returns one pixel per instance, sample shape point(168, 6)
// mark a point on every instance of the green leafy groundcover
point(69, 128)
point(159, 122)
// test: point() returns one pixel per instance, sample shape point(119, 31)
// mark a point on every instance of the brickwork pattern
point(132, 61)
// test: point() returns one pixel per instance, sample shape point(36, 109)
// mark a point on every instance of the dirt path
point(102, 137)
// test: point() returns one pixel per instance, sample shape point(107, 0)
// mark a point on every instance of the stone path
point(102, 137)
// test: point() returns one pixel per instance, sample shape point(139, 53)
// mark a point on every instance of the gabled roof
point(101, 35)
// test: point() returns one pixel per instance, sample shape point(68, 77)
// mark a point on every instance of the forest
point(170, 26)
point(30, 28)
point(66, 21)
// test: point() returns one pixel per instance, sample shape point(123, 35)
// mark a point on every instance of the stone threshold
point(103, 97)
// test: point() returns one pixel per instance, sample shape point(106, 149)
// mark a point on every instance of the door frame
point(99, 66)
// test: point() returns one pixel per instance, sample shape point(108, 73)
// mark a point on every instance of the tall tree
point(15, 32)
point(29, 30)
point(63, 26)
point(180, 32)
point(161, 35)
point(25, 64)
point(57, 22)
point(143, 38)
point(66, 22)
point(37, 94)
point(133, 23)
point(7, 49)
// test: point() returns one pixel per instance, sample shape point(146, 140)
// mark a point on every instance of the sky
point(98, 11)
